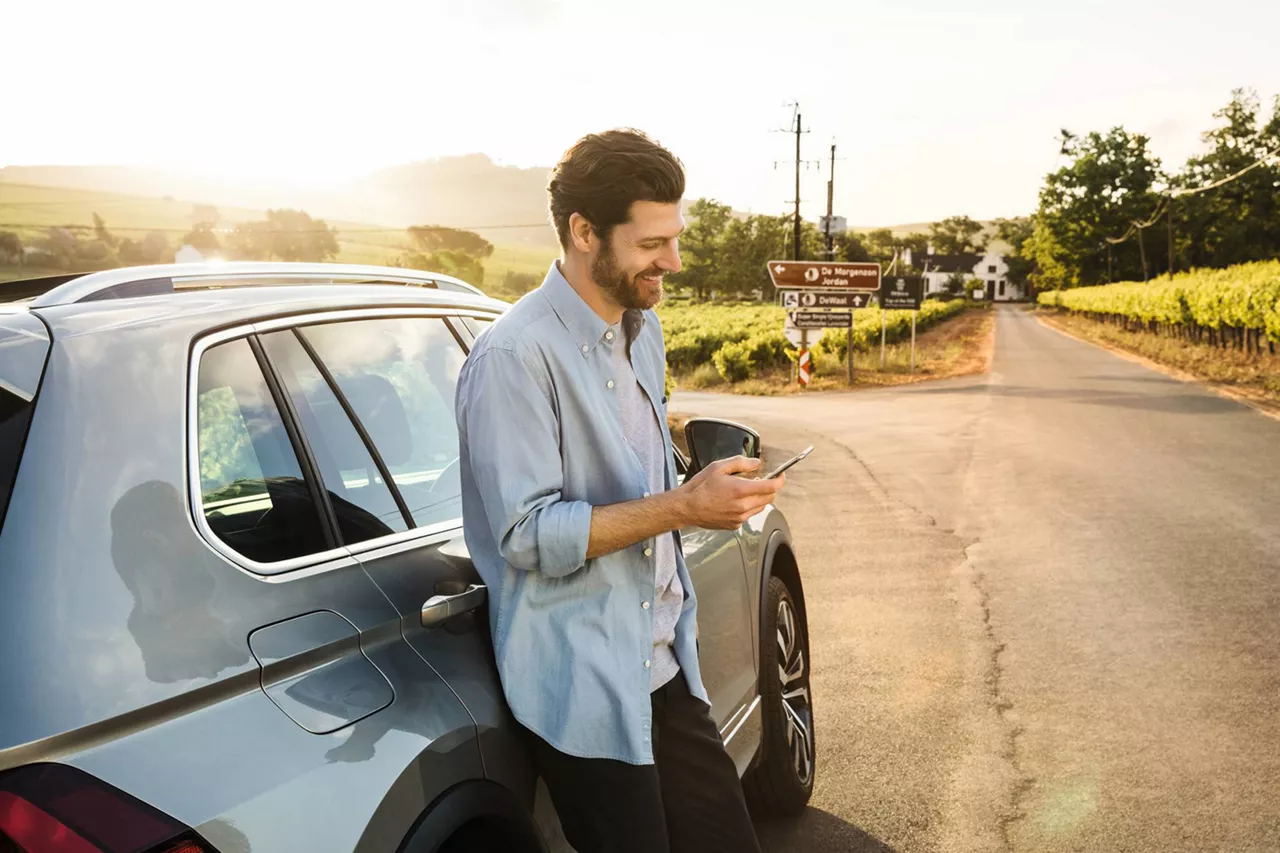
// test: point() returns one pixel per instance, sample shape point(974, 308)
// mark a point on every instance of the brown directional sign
point(825, 275)
point(803, 299)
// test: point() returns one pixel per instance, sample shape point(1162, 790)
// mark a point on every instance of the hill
point(29, 210)
point(508, 203)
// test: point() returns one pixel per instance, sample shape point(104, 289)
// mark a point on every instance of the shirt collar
point(584, 324)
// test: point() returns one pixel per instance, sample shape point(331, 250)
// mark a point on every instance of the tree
point(152, 249)
point(957, 235)
point(749, 244)
point(1240, 220)
point(453, 251)
point(851, 246)
point(436, 238)
point(202, 237)
point(100, 230)
point(10, 248)
point(915, 241)
point(702, 245)
point(1107, 186)
point(1016, 233)
point(285, 235)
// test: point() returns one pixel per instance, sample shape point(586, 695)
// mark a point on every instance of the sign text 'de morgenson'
point(819, 319)
point(819, 275)
point(902, 293)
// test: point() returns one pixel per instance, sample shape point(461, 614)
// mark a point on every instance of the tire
point(782, 782)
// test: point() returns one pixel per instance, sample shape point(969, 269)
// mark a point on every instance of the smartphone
point(793, 460)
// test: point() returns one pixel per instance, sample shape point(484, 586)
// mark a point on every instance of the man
point(570, 504)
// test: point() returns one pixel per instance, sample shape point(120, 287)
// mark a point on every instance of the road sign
point(902, 293)
point(819, 319)
point(805, 367)
point(838, 224)
point(825, 299)
point(819, 275)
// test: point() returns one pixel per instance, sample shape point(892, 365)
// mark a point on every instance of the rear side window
point(24, 347)
point(362, 502)
point(252, 491)
point(399, 376)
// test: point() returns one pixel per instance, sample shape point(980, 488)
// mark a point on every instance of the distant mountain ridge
point(467, 191)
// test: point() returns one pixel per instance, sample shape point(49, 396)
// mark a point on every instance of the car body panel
point(136, 638)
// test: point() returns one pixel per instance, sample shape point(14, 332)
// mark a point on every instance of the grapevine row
point(1233, 307)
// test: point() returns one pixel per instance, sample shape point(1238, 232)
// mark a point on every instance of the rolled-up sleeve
point(510, 438)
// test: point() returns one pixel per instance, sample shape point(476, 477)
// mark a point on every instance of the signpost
point(901, 293)
point(822, 285)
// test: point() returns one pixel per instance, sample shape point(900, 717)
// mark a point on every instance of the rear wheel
point(783, 780)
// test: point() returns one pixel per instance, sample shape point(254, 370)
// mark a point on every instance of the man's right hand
point(714, 498)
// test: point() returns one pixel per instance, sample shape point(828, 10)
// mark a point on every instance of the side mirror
point(711, 440)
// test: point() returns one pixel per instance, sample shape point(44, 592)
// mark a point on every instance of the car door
point(716, 562)
point(395, 377)
point(355, 736)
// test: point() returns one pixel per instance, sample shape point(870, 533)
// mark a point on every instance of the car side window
point(362, 502)
point(252, 491)
point(476, 325)
point(399, 375)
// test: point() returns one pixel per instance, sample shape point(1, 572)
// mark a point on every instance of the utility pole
point(795, 245)
point(1169, 224)
point(831, 184)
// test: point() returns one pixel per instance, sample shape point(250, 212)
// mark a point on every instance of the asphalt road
point(1043, 607)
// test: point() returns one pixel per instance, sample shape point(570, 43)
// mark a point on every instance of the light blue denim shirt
point(541, 444)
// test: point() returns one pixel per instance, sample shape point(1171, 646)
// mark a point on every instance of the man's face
point(629, 266)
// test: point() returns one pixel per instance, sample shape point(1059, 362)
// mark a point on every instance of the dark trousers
point(688, 801)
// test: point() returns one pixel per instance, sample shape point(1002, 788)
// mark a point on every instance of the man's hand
point(716, 499)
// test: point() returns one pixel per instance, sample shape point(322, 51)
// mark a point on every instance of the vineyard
point(1237, 307)
point(741, 340)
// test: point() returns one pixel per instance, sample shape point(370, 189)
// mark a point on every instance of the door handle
point(440, 608)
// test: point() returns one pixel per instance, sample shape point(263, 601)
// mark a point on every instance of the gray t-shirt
point(643, 433)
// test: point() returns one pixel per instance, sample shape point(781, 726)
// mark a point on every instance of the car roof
point(241, 291)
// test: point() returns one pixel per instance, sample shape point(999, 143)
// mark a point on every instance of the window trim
point(341, 555)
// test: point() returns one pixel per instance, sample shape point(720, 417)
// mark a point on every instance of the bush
point(733, 361)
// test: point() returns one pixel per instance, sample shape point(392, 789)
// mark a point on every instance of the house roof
point(948, 263)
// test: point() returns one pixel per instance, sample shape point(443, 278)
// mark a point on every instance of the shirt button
point(646, 664)
point(585, 348)
point(609, 384)
point(648, 552)
point(645, 605)
point(608, 336)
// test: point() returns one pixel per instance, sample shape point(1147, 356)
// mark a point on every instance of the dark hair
point(603, 173)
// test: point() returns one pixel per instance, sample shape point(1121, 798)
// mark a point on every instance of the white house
point(989, 268)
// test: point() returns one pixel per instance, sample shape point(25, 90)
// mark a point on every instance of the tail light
point(52, 808)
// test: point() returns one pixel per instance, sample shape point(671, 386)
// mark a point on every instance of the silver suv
point(236, 610)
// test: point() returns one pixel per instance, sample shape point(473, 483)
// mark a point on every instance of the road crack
point(1010, 810)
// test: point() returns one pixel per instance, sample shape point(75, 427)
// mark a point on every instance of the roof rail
point(174, 278)
point(19, 289)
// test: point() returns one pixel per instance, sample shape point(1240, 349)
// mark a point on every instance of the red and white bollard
point(805, 368)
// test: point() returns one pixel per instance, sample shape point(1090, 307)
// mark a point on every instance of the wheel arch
point(466, 804)
point(780, 561)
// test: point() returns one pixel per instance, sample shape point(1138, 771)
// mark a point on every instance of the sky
point(937, 108)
